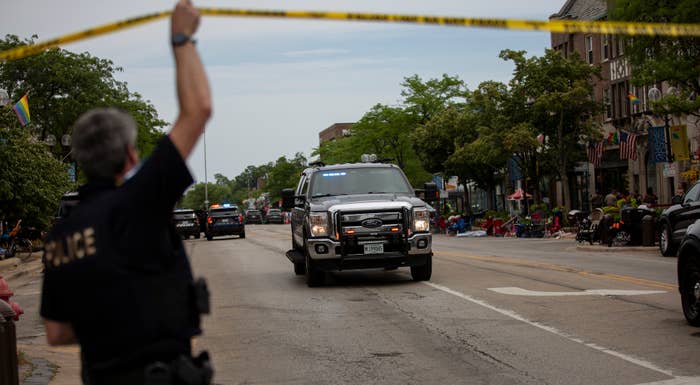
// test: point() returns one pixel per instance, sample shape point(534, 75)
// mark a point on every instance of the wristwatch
point(180, 39)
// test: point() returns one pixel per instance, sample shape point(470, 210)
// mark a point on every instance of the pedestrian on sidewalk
point(117, 279)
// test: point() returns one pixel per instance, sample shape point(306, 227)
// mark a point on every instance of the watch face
point(179, 39)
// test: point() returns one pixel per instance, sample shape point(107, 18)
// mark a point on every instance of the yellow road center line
point(565, 269)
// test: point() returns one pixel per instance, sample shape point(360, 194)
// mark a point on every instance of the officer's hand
point(185, 18)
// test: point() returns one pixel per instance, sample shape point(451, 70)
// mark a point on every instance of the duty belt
point(183, 370)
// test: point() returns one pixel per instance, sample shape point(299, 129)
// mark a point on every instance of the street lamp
point(4, 97)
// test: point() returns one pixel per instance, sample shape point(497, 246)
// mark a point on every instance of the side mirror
point(287, 198)
point(676, 200)
point(431, 192)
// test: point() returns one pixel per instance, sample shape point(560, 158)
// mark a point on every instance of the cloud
point(316, 52)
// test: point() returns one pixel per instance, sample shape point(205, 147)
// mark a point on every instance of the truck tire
point(196, 236)
point(242, 235)
point(423, 272)
point(687, 285)
point(299, 268)
point(314, 277)
point(209, 237)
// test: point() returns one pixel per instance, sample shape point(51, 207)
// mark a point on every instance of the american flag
point(595, 152)
point(628, 146)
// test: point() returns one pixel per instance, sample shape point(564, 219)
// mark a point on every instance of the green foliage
point(62, 85)
point(426, 99)
point(384, 131)
point(31, 179)
point(436, 140)
point(284, 174)
point(194, 198)
point(551, 95)
point(655, 59)
point(480, 154)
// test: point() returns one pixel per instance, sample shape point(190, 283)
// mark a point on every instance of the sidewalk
point(44, 365)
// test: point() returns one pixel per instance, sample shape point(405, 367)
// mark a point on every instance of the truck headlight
point(421, 220)
point(318, 222)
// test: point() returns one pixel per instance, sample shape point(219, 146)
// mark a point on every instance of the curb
point(42, 372)
point(618, 249)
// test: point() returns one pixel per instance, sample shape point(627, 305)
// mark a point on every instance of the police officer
point(117, 279)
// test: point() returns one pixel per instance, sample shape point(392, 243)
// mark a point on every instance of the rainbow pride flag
point(632, 98)
point(22, 110)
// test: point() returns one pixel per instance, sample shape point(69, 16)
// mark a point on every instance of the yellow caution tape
point(28, 50)
point(556, 26)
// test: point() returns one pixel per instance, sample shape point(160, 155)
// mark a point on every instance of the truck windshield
point(368, 180)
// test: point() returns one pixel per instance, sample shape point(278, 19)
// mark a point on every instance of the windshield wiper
point(379, 192)
point(325, 195)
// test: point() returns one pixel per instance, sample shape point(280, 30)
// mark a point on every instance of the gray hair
point(100, 140)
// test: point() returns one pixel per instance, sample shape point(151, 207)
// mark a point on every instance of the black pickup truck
point(358, 216)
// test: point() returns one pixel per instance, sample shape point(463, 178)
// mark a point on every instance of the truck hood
point(365, 202)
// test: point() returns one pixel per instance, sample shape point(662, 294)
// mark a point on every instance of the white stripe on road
point(516, 316)
point(535, 293)
point(676, 381)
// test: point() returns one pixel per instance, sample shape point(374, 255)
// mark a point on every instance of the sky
point(277, 83)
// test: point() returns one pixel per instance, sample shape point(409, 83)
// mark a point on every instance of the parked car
point(274, 216)
point(689, 273)
point(674, 221)
point(186, 223)
point(253, 216)
point(225, 220)
point(68, 201)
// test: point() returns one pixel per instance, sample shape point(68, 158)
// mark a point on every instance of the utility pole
point(206, 183)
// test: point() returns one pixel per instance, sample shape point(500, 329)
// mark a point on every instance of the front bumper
point(335, 250)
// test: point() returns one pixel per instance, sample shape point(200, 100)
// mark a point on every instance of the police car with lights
point(358, 216)
point(224, 219)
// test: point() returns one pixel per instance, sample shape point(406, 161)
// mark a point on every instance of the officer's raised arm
point(193, 92)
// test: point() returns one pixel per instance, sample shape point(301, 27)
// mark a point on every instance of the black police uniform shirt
point(117, 271)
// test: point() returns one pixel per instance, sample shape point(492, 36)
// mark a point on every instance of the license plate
point(225, 220)
point(374, 248)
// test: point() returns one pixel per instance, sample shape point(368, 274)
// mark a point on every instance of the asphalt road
point(497, 311)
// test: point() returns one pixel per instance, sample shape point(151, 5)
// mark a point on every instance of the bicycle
point(18, 242)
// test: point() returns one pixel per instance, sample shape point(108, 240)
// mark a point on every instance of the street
point(496, 311)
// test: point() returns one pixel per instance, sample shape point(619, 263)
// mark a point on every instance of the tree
point(194, 198)
point(656, 59)
point(62, 85)
point(481, 155)
point(384, 131)
point(553, 95)
point(31, 179)
point(426, 99)
point(284, 174)
point(438, 139)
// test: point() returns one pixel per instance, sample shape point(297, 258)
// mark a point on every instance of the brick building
point(619, 115)
point(334, 132)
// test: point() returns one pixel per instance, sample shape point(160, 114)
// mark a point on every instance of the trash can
point(633, 222)
point(648, 227)
point(9, 373)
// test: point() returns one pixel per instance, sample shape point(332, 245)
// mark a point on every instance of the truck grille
point(355, 229)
